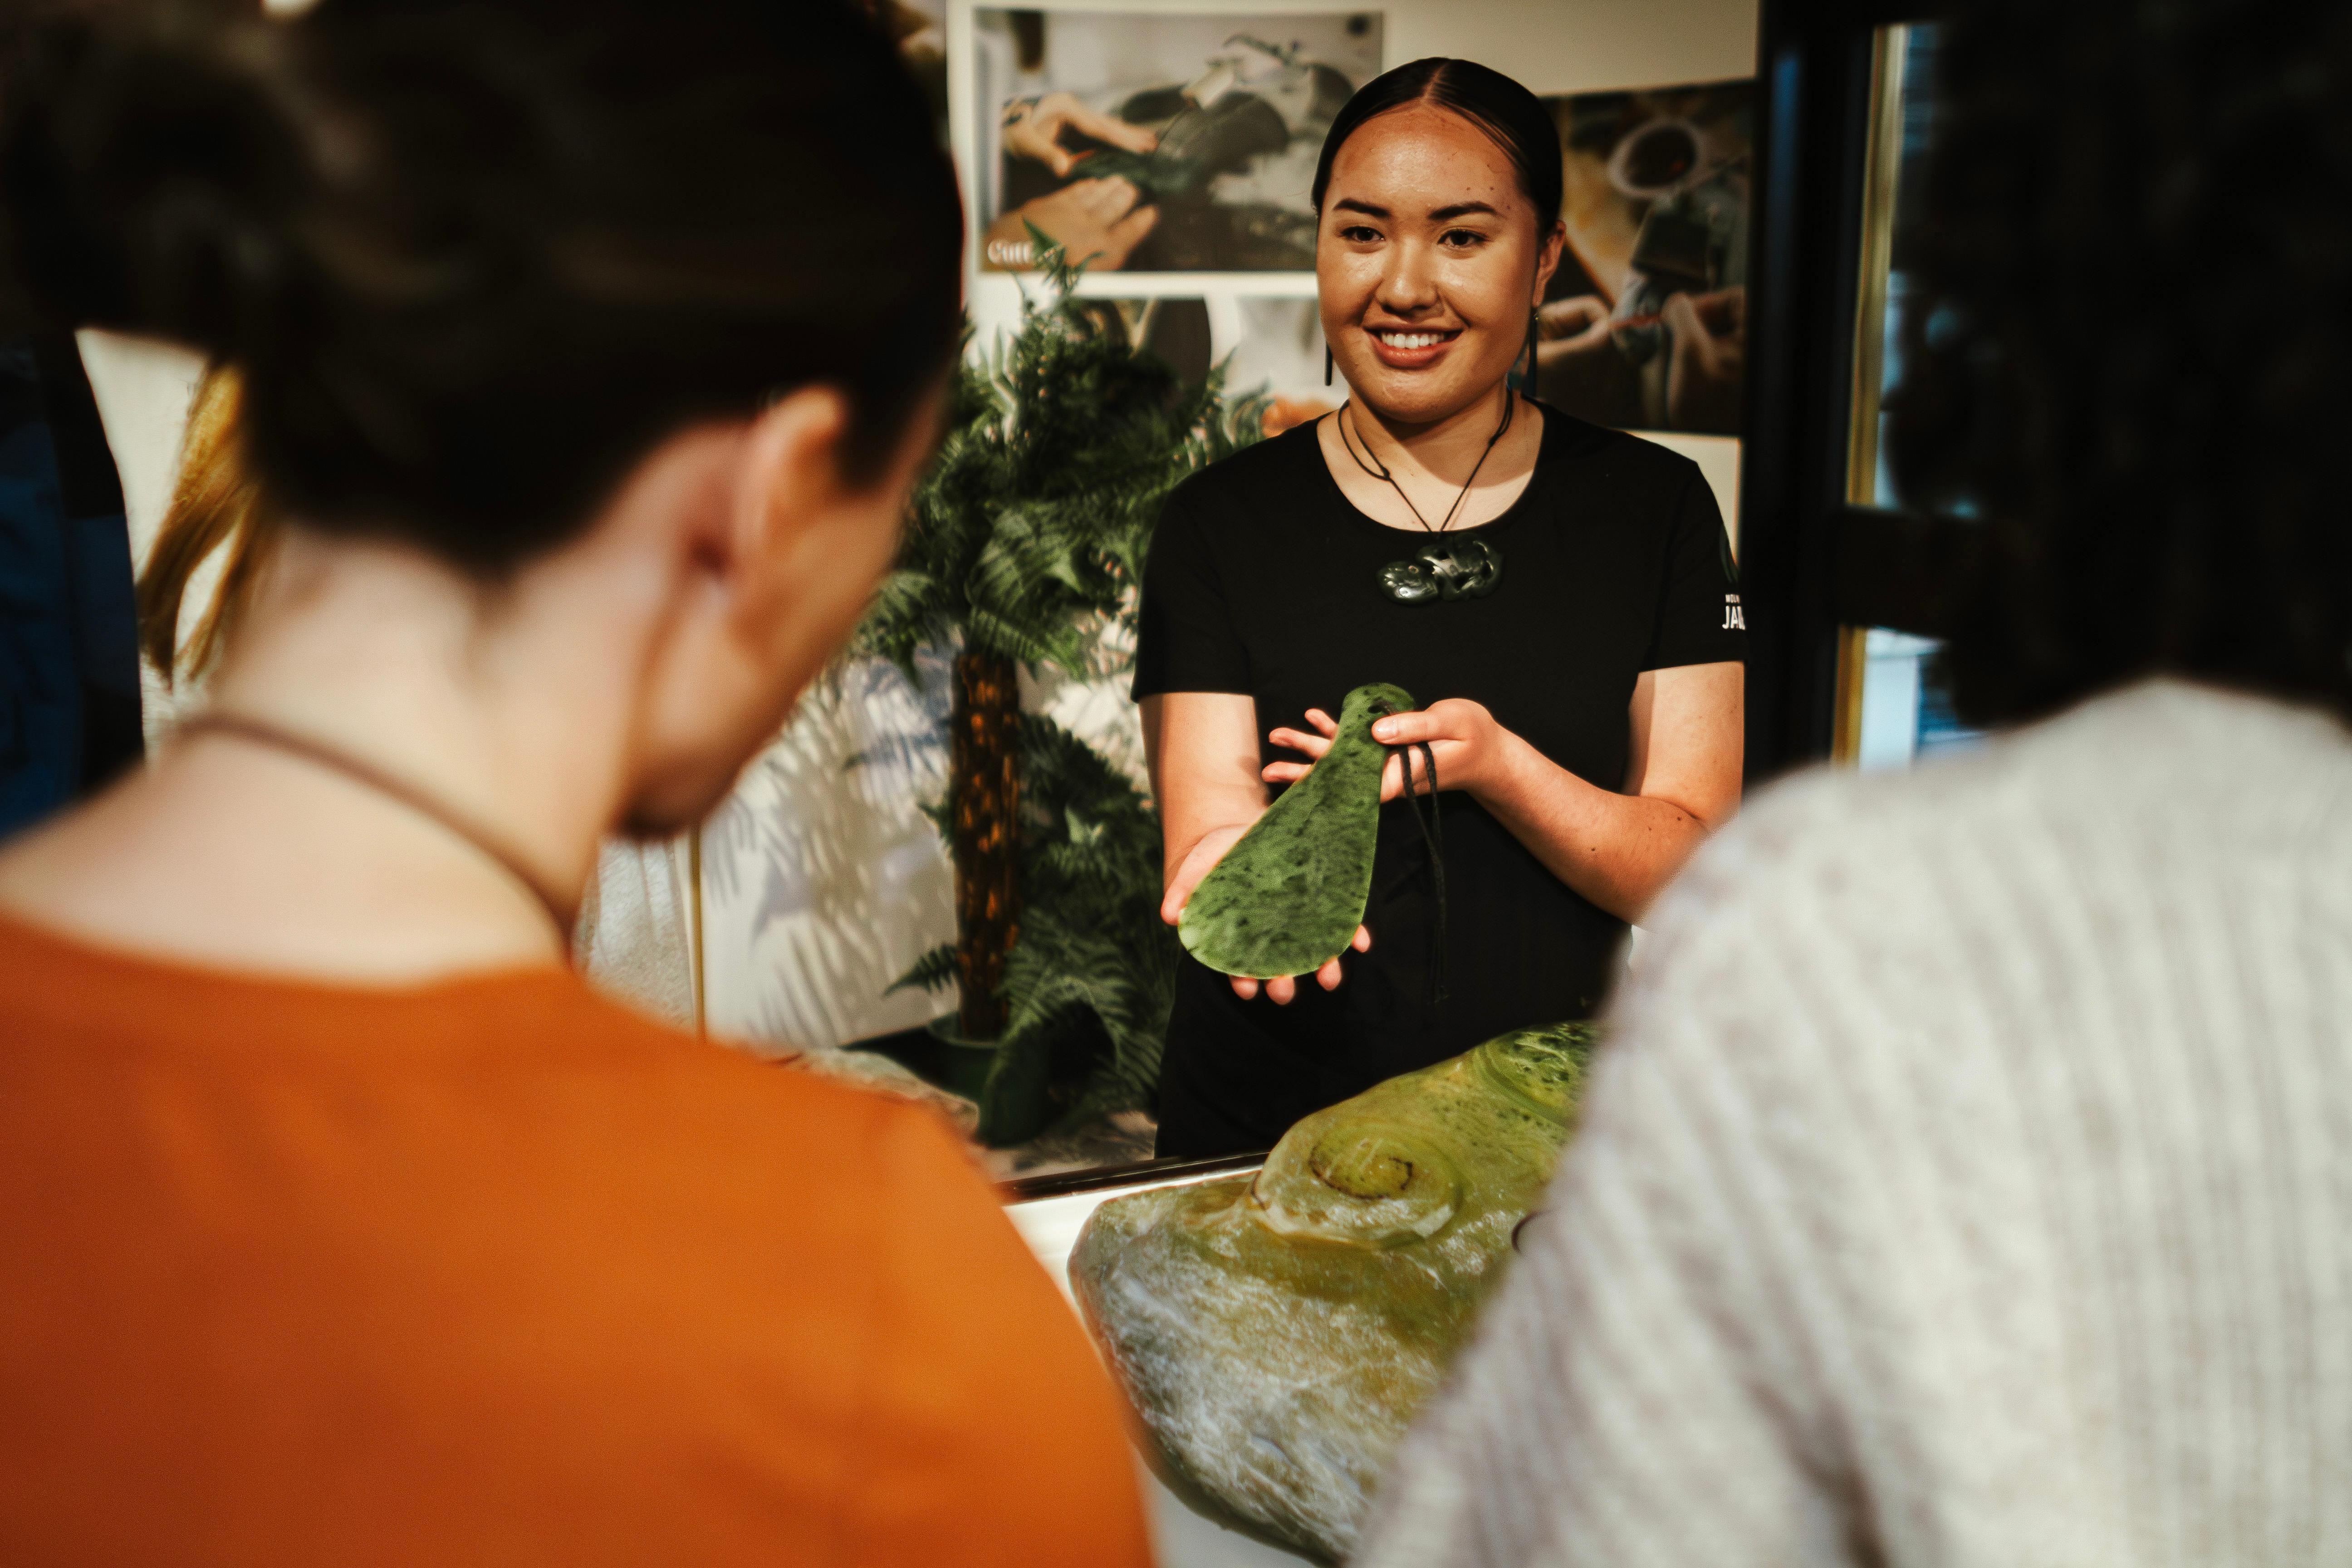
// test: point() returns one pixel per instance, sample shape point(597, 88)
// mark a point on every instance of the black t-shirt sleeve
point(1185, 638)
point(1700, 619)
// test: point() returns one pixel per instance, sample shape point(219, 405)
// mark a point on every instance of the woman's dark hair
point(475, 257)
point(2131, 346)
point(1513, 117)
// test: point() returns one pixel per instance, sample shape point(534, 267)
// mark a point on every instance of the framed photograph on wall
point(1157, 142)
point(1645, 326)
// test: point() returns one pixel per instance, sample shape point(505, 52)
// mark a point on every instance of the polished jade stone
point(1291, 893)
point(1275, 1332)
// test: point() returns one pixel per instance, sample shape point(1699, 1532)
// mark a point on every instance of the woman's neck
point(1447, 449)
point(488, 703)
point(1452, 473)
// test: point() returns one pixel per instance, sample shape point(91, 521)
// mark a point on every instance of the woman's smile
point(1411, 348)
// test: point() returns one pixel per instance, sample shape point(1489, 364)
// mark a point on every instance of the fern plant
point(1026, 541)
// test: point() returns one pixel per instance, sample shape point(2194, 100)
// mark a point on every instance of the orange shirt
point(496, 1271)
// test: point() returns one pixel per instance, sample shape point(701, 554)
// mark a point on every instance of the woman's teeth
point(1412, 340)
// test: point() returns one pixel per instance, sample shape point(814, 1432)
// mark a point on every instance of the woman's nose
point(1409, 281)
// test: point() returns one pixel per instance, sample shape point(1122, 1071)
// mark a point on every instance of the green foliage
point(1093, 977)
point(1032, 522)
point(1027, 537)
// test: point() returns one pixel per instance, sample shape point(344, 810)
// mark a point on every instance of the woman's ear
point(1547, 255)
point(789, 478)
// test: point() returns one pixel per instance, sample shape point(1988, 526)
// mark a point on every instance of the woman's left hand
point(1466, 741)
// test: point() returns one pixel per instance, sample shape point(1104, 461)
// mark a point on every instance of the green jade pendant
point(1290, 895)
point(1448, 569)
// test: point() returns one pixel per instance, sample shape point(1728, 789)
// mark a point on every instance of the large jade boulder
point(1277, 1332)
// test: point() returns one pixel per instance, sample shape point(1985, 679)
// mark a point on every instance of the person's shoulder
point(2203, 778)
point(789, 1108)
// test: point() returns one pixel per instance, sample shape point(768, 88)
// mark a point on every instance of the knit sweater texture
point(1967, 1180)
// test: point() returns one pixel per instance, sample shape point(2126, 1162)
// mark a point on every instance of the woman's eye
point(1461, 238)
point(1357, 234)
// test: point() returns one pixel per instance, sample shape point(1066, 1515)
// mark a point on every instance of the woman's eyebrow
point(1460, 209)
point(1349, 204)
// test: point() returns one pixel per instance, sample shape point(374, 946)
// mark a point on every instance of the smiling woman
point(1575, 631)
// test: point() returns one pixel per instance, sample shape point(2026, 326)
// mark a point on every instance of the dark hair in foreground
point(1513, 117)
point(2132, 354)
point(477, 257)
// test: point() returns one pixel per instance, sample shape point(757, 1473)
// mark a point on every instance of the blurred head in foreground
point(586, 350)
point(628, 328)
point(2133, 347)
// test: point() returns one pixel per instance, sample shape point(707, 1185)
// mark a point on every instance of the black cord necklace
point(1454, 568)
point(1433, 844)
point(256, 732)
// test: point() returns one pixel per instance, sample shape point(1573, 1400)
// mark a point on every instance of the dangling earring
point(1327, 364)
point(1519, 380)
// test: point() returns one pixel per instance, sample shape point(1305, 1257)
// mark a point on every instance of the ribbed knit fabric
point(1969, 1181)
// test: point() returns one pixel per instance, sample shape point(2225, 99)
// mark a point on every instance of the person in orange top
point(590, 348)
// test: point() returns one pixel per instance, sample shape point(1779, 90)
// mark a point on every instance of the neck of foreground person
point(512, 707)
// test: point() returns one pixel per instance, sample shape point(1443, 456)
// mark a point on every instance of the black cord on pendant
point(1432, 842)
point(1510, 406)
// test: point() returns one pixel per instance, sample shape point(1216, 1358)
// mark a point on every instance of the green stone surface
point(1291, 893)
point(1277, 1332)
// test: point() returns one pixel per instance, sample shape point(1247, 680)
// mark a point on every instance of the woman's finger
point(1280, 990)
point(1329, 975)
point(1363, 941)
point(1323, 722)
point(1400, 728)
point(1243, 987)
point(1299, 741)
point(1285, 773)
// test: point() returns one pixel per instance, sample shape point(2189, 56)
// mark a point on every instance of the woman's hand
point(1466, 741)
point(1034, 127)
point(1196, 865)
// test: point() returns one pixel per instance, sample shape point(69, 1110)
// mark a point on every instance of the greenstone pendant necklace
point(1447, 568)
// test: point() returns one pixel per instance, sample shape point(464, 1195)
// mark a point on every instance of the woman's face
point(1427, 263)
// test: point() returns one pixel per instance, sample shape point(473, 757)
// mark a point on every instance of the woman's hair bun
point(475, 257)
point(147, 177)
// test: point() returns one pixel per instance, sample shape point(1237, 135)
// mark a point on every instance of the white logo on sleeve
point(1735, 619)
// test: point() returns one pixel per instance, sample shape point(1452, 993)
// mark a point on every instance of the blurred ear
point(788, 479)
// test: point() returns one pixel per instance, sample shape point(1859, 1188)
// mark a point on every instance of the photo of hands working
point(1160, 143)
point(891, 782)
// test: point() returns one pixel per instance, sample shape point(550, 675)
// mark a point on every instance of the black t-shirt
point(1262, 580)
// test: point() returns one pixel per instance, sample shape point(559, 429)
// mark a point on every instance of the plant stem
point(984, 795)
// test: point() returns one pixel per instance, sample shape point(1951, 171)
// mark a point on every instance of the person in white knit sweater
point(1968, 1176)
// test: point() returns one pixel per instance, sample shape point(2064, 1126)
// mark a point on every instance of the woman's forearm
point(1202, 750)
point(1618, 850)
